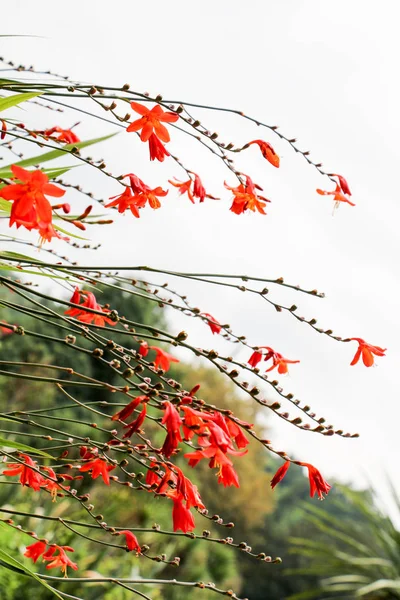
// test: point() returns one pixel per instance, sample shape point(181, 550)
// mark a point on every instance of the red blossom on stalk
point(89, 301)
point(131, 541)
point(59, 560)
point(317, 482)
point(150, 196)
point(337, 194)
point(280, 474)
point(212, 323)
point(35, 550)
point(123, 202)
point(152, 128)
point(278, 361)
point(182, 518)
point(267, 151)
point(194, 188)
point(126, 412)
point(172, 422)
point(5, 330)
point(135, 425)
point(3, 129)
point(367, 352)
point(163, 360)
point(245, 197)
point(344, 186)
point(98, 467)
point(31, 209)
point(143, 349)
point(66, 135)
point(27, 476)
point(52, 484)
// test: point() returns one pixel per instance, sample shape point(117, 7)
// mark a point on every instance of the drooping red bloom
point(278, 361)
point(342, 182)
point(193, 422)
point(157, 150)
point(187, 490)
point(337, 194)
point(150, 196)
point(173, 422)
point(143, 349)
point(66, 135)
point(267, 151)
point(227, 476)
point(212, 323)
point(162, 360)
point(193, 188)
point(124, 201)
point(126, 412)
point(317, 482)
point(367, 352)
point(59, 560)
point(182, 518)
point(255, 358)
point(89, 301)
point(30, 208)
point(245, 197)
point(52, 484)
point(35, 550)
point(280, 474)
point(151, 121)
point(151, 476)
point(27, 476)
point(135, 425)
point(236, 433)
point(98, 467)
point(131, 541)
point(3, 129)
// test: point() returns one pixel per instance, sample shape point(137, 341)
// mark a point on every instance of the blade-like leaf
point(22, 447)
point(14, 564)
point(17, 99)
point(41, 158)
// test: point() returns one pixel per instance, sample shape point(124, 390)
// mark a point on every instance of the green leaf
point(23, 447)
point(15, 565)
point(17, 99)
point(52, 173)
point(41, 158)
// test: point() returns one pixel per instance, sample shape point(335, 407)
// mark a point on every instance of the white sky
point(327, 73)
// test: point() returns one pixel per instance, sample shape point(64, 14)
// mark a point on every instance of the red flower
point(156, 149)
point(245, 198)
point(35, 550)
point(317, 482)
point(236, 433)
point(193, 188)
point(227, 476)
point(337, 194)
point(136, 424)
point(123, 202)
point(173, 422)
point(281, 363)
point(182, 518)
point(150, 196)
point(131, 541)
point(278, 361)
point(267, 151)
point(255, 358)
point(212, 323)
point(61, 560)
point(66, 135)
point(3, 129)
point(30, 208)
point(88, 302)
point(193, 422)
point(98, 467)
point(151, 120)
point(129, 408)
point(27, 477)
point(143, 349)
point(163, 359)
point(280, 474)
point(367, 352)
point(343, 183)
point(52, 484)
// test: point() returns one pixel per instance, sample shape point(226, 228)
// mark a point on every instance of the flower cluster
point(53, 554)
point(89, 301)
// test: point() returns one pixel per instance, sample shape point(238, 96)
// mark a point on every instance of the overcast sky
point(327, 73)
